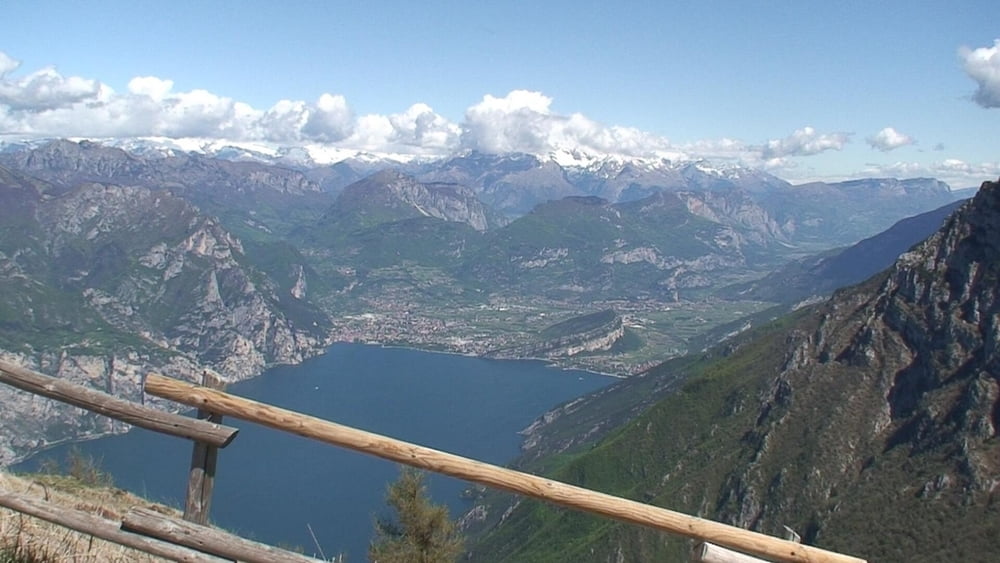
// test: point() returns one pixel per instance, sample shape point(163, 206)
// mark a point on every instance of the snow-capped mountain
point(515, 183)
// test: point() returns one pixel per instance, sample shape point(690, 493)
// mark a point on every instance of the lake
point(272, 486)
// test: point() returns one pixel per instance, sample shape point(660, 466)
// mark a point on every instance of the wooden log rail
point(137, 415)
point(100, 528)
point(209, 540)
point(491, 475)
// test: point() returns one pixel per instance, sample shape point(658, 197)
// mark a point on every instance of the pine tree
point(421, 533)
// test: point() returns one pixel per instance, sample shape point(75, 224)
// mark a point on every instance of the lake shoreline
point(548, 362)
point(471, 406)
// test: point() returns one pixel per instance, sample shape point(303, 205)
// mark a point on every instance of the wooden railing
point(137, 415)
point(491, 475)
point(150, 532)
point(215, 402)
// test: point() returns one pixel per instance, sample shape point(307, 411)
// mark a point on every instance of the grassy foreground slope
point(27, 539)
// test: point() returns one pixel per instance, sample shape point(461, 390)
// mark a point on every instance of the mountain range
point(116, 263)
point(100, 283)
point(867, 423)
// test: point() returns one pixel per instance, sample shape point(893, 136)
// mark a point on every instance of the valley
point(655, 331)
point(693, 295)
point(116, 263)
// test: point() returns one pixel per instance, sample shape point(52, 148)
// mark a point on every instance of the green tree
point(422, 532)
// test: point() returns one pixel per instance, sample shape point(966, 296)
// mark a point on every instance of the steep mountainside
point(389, 196)
point(511, 183)
point(582, 247)
point(101, 283)
point(820, 275)
point(868, 424)
point(842, 213)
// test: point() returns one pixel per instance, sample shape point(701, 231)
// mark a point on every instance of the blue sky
point(800, 88)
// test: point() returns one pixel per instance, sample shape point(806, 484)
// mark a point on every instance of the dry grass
point(24, 539)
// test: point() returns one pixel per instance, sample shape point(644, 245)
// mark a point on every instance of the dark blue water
point(271, 486)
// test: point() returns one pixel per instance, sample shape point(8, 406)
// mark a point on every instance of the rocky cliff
point(103, 283)
point(392, 196)
point(586, 333)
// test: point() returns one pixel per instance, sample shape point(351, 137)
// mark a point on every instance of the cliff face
point(390, 196)
point(895, 394)
point(868, 424)
point(586, 333)
point(103, 283)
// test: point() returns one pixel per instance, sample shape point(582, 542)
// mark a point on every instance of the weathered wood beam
point(120, 409)
point(100, 528)
point(204, 461)
point(494, 476)
point(208, 540)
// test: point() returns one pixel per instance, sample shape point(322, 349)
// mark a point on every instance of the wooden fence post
point(204, 457)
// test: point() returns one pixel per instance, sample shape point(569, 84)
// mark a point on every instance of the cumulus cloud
point(983, 66)
point(522, 121)
point(45, 103)
point(519, 122)
point(889, 139)
point(154, 88)
point(329, 120)
point(44, 89)
point(804, 142)
point(417, 130)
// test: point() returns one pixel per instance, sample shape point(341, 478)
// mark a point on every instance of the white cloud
point(329, 120)
point(417, 130)
point(518, 122)
point(7, 64)
point(522, 121)
point(983, 66)
point(804, 142)
point(152, 87)
point(889, 139)
point(45, 103)
point(45, 89)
